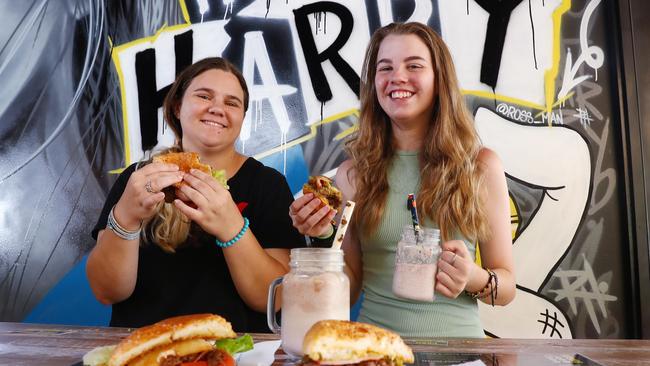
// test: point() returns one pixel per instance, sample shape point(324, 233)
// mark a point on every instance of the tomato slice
point(227, 360)
point(195, 363)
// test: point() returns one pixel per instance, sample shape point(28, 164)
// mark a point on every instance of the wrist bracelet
point(323, 242)
point(491, 288)
point(329, 234)
point(236, 238)
point(121, 232)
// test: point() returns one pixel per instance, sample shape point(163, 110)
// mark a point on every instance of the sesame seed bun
point(344, 342)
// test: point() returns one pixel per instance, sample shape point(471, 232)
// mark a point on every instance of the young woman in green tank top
point(416, 135)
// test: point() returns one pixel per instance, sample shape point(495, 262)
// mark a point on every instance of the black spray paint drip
point(467, 6)
point(495, 37)
point(532, 27)
point(322, 104)
point(268, 7)
point(321, 21)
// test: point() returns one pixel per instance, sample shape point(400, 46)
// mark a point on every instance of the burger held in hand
point(187, 161)
point(323, 189)
point(188, 340)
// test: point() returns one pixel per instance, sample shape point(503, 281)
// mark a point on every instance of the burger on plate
point(340, 342)
point(188, 340)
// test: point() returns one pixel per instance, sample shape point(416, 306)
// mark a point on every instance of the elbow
point(103, 300)
point(101, 294)
point(105, 295)
point(508, 295)
point(507, 299)
point(355, 294)
point(259, 304)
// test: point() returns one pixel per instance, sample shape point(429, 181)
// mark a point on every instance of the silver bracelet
point(119, 230)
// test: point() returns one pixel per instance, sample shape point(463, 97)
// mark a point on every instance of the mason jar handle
point(270, 306)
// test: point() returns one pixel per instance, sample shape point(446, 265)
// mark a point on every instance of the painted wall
point(83, 83)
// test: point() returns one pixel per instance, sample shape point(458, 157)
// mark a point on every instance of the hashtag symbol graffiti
point(550, 322)
point(584, 117)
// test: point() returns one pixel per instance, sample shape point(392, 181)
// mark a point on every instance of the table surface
point(35, 344)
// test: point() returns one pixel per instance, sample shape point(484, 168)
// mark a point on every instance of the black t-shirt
point(196, 279)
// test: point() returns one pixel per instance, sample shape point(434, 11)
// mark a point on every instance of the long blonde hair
point(450, 176)
point(169, 228)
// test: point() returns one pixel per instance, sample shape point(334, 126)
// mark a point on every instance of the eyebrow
point(410, 58)
point(211, 91)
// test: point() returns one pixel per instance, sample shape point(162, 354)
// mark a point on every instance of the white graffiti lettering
point(515, 113)
point(585, 287)
point(553, 118)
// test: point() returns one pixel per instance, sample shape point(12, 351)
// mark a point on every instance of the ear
point(177, 111)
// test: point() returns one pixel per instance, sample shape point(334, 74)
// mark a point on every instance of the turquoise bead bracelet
point(236, 238)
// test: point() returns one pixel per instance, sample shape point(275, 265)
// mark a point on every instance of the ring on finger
point(148, 188)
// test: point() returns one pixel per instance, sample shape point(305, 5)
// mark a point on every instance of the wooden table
point(30, 344)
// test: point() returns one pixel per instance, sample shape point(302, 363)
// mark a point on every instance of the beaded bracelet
point(121, 232)
point(236, 238)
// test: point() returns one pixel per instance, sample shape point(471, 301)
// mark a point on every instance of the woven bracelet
point(236, 238)
point(483, 293)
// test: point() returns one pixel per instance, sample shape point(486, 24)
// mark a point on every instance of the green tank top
point(443, 317)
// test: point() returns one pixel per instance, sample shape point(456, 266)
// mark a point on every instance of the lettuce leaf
point(220, 176)
point(235, 345)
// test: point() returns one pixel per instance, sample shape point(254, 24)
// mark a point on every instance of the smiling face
point(211, 112)
point(404, 80)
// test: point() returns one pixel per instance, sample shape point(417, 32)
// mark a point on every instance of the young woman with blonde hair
point(416, 135)
point(212, 250)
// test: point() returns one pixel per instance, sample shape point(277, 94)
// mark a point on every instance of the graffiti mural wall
point(84, 82)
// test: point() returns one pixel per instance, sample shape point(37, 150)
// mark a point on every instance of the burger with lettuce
point(189, 340)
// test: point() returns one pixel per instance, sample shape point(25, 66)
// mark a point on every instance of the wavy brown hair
point(169, 228)
point(450, 176)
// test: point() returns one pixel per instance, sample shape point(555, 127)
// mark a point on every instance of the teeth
point(400, 94)
point(215, 124)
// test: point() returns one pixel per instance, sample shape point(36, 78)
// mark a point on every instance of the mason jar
point(316, 288)
point(414, 277)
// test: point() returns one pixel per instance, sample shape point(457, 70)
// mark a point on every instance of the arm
point(565, 182)
point(496, 253)
point(457, 270)
point(112, 265)
point(351, 245)
point(252, 267)
point(317, 223)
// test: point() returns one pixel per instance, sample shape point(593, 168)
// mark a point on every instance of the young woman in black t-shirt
point(236, 241)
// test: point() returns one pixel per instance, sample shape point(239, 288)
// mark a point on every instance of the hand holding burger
point(187, 161)
point(312, 214)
